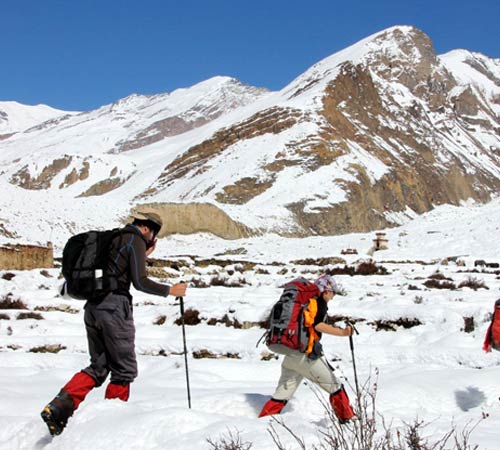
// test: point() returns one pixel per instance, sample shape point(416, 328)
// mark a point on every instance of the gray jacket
point(127, 262)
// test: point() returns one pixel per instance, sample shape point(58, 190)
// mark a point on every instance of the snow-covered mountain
point(15, 117)
point(362, 140)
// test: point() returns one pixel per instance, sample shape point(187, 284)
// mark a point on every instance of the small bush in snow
point(198, 283)
point(473, 283)
point(230, 441)
point(436, 284)
point(191, 317)
point(392, 325)
point(8, 276)
point(9, 302)
point(160, 320)
point(468, 324)
point(205, 353)
point(4, 317)
point(29, 315)
point(439, 276)
point(231, 282)
point(365, 434)
point(226, 321)
point(51, 348)
point(418, 300)
point(370, 268)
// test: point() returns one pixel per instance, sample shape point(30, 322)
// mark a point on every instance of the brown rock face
point(23, 178)
point(187, 218)
point(272, 120)
point(356, 111)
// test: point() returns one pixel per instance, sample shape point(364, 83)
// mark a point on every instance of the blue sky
point(82, 54)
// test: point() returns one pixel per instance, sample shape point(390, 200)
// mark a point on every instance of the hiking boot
point(272, 407)
point(341, 406)
point(57, 412)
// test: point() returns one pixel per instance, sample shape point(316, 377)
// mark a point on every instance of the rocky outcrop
point(103, 187)
point(195, 217)
point(273, 120)
point(24, 179)
point(75, 176)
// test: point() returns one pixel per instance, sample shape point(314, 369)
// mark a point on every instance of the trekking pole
point(358, 394)
point(351, 344)
point(181, 300)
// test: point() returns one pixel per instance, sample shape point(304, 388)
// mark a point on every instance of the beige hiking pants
point(296, 366)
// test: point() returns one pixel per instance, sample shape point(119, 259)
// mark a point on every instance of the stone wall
point(26, 257)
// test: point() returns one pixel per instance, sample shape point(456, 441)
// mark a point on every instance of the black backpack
point(84, 263)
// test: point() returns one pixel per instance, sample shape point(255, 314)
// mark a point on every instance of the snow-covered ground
point(435, 371)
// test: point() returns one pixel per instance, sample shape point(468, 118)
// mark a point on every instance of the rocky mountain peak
point(365, 138)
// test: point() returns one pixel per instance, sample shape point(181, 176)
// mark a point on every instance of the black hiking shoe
point(57, 413)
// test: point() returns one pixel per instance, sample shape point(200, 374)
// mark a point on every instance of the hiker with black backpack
point(108, 315)
point(297, 323)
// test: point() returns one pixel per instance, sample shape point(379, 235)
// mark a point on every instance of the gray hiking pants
point(296, 366)
point(111, 339)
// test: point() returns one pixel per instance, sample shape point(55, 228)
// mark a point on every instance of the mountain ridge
point(382, 129)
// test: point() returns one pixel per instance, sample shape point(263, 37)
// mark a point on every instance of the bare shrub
point(230, 441)
point(370, 268)
point(226, 321)
point(335, 319)
point(324, 261)
point(392, 325)
point(205, 353)
point(228, 282)
point(8, 276)
point(438, 276)
point(29, 315)
point(364, 434)
point(160, 320)
point(346, 270)
point(365, 268)
point(473, 283)
point(4, 316)
point(198, 283)
point(436, 284)
point(51, 348)
point(468, 324)
point(9, 302)
point(62, 308)
point(191, 317)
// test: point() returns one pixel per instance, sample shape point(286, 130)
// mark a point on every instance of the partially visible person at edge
point(297, 365)
point(110, 325)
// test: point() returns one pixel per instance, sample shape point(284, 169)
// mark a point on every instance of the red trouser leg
point(78, 387)
point(117, 391)
point(341, 406)
point(272, 407)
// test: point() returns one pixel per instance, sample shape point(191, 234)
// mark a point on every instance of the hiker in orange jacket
point(298, 365)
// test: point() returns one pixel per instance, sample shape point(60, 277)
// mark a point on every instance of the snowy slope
point(15, 117)
point(435, 371)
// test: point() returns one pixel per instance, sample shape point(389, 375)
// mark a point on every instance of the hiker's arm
point(138, 274)
point(323, 327)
